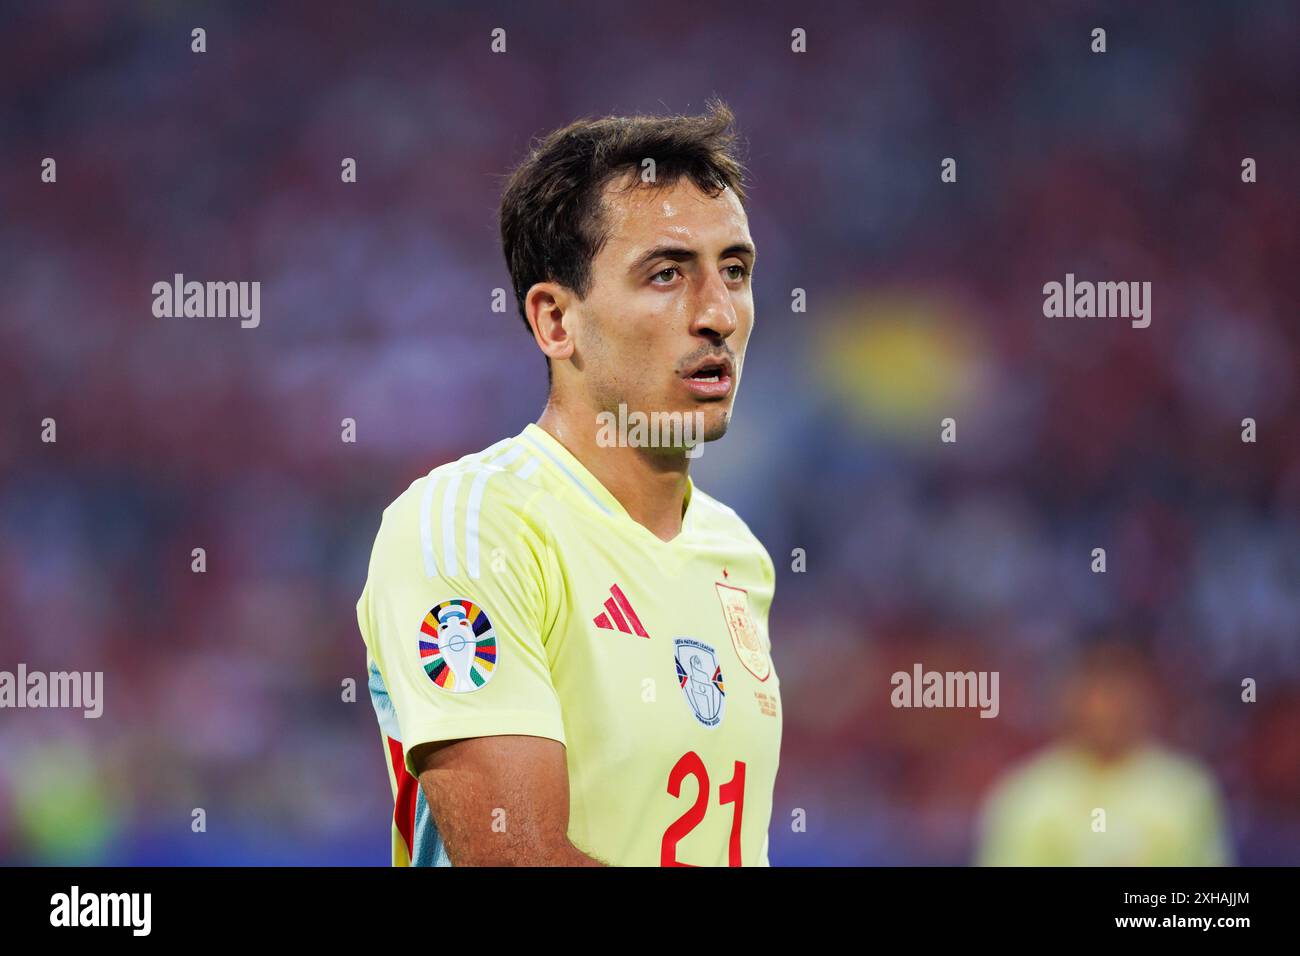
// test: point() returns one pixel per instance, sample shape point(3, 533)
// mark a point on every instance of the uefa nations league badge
point(458, 648)
point(700, 677)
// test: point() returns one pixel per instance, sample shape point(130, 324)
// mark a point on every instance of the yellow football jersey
point(1160, 809)
point(510, 593)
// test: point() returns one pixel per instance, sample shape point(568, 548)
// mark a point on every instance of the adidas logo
point(618, 614)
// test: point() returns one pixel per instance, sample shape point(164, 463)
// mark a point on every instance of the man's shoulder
point(1178, 771)
point(1042, 774)
point(473, 492)
point(715, 518)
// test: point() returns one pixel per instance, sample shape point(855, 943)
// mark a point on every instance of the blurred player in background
point(567, 640)
point(1160, 808)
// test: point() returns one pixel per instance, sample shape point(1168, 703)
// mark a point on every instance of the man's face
point(670, 310)
point(1108, 711)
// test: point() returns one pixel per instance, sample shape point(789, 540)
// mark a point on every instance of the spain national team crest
point(744, 635)
point(458, 648)
point(700, 677)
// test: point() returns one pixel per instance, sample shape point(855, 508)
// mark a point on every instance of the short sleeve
point(1209, 843)
point(1006, 836)
point(455, 612)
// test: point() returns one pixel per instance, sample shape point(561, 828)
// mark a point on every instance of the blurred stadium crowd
point(223, 689)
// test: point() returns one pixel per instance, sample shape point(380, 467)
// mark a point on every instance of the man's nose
point(715, 314)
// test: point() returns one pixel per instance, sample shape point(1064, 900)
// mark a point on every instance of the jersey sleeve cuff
point(524, 723)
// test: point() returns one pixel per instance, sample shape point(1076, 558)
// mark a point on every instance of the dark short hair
point(552, 222)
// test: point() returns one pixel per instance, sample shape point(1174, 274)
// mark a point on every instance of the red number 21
point(730, 792)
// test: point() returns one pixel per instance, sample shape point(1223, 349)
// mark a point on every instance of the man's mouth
point(710, 378)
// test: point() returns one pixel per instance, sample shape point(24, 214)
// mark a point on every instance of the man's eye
point(665, 271)
point(743, 272)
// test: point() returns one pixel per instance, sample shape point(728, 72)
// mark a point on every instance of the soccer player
point(1161, 807)
point(566, 639)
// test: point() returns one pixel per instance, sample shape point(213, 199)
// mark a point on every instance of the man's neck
point(1110, 756)
point(650, 484)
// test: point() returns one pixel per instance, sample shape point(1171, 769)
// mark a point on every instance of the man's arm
point(500, 801)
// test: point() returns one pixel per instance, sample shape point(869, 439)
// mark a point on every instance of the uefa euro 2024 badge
point(458, 648)
point(700, 677)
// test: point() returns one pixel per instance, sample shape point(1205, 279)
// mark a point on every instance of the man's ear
point(547, 307)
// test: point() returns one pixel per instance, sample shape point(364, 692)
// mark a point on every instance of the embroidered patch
point(458, 648)
point(744, 636)
point(700, 677)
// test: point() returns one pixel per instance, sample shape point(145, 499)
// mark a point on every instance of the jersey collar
point(575, 473)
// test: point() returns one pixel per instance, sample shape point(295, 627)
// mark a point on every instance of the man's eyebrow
point(684, 254)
